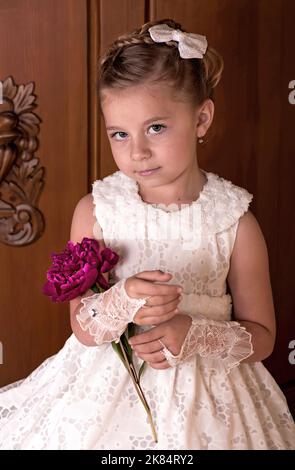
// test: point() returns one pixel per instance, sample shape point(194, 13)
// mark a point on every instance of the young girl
point(176, 228)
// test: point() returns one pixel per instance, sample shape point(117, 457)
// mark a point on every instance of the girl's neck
point(184, 190)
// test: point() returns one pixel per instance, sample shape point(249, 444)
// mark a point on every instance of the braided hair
point(134, 59)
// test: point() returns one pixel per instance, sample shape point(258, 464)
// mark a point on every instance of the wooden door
point(44, 50)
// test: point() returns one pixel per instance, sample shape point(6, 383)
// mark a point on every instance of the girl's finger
point(156, 275)
point(159, 311)
point(154, 357)
point(150, 320)
point(151, 335)
point(146, 280)
point(157, 300)
point(160, 365)
point(148, 348)
point(145, 288)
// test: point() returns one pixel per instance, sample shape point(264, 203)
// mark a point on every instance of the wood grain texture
point(93, 31)
point(44, 42)
point(117, 17)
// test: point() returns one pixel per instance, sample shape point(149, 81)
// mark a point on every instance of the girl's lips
point(148, 172)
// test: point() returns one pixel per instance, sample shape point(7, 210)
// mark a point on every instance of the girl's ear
point(205, 116)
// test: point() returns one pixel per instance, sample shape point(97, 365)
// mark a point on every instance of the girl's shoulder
point(112, 186)
point(223, 202)
point(83, 219)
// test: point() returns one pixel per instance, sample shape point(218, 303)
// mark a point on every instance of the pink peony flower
point(78, 268)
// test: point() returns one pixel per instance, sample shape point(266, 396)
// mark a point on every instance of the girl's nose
point(140, 150)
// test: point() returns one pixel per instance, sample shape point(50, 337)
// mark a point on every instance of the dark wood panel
point(282, 184)
point(93, 31)
point(289, 391)
point(117, 17)
point(45, 42)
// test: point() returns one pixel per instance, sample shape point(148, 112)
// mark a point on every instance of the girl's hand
point(171, 333)
point(163, 301)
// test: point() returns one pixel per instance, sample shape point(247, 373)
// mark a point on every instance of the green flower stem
point(140, 393)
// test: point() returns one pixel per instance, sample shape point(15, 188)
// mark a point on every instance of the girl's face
point(147, 129)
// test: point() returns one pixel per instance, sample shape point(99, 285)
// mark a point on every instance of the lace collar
point(171, 208)
point(222, 203)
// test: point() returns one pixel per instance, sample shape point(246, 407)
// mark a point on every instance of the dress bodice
point(193, 243)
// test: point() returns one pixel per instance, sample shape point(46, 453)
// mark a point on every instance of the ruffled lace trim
point(224, 343)
point(105, 315)
point(222, 202)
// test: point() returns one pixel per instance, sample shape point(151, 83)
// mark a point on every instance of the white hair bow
point(190, 45)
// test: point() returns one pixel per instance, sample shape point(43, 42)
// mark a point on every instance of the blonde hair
point(134, 59)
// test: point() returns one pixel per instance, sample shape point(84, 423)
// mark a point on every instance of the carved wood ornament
point(21, 177)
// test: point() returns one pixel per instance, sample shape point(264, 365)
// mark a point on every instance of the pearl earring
point(200, 140)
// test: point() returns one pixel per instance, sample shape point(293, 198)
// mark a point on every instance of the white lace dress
point(83, 398)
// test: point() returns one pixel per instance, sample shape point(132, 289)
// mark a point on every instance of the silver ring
point(167, 354)
point(163, 351)
point(146, 300)
point(162, 344)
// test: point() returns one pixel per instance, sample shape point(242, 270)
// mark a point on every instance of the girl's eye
point(153, 129)
point(157, 128)
point(116, 134)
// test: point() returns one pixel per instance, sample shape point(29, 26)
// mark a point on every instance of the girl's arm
point(82, 226)
point(250, 287)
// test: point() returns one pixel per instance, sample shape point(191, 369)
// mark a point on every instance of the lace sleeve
point(225, 341)
point(105, 315)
